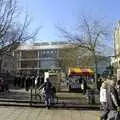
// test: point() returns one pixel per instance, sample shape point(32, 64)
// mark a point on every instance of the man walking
point(103, 100)
point(48, 92)
point(113, 101)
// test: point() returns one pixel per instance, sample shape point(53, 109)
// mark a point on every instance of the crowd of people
point(110, 99)
point(37, 82)
point(28, 81)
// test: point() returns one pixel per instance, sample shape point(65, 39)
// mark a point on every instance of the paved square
point(22, 113)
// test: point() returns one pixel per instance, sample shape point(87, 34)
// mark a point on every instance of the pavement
point(28, 113)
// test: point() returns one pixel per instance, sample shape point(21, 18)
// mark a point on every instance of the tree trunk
point(95, 68)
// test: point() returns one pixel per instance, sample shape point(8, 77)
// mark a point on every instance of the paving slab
point(22, 113)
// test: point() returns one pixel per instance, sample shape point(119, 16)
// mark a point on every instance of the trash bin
point(91, 96)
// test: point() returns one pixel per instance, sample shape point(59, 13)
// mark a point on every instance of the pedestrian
point(84, 86)
point(27, 79)
point(23, 81)
point(2, 85)
point(42, 80)
point(99, 83)
point(118, 88)
point(18, 80)
point(113, 102)
point(103, 100)
point(38, 81)
point(15, 81)
point(48, 92)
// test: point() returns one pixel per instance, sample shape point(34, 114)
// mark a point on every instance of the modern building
point(41, 57)
point(38, 57)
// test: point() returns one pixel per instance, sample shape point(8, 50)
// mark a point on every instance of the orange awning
point(80, 72)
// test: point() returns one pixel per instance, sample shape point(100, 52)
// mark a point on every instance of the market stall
point(80, 72)
point(78, 78)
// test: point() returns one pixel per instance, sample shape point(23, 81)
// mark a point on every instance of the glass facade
point(48, 64)
point(49, 53)
point(29, 54)
point(29, 64)
point(38, 59)
point(48, 59)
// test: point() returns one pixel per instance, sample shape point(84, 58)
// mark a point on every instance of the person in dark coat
point(99, 83)
point(18, 80)
point(118, 88)
point(23, 82)
point(15, 81)
point(84, 85)
point(48, 92)
point(41, 80)
point(113, 102)
point(38, 81)
point(27, 83)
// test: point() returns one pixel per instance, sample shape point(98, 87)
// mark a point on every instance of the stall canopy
point(80, 72)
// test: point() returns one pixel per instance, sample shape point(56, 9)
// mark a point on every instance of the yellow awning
point(78, 71)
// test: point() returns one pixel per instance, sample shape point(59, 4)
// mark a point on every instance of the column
point(20, 54)
point(38, 52)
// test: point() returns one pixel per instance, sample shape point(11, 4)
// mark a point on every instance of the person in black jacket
point(48, 92)
point(118, 88)
point(113, 102)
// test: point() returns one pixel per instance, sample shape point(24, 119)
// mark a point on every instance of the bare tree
point(73, 56)
point(91, 35)
point(68, 57)
point(12, 32)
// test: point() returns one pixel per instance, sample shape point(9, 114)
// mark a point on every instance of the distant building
point(116, 60)
point(38, 57)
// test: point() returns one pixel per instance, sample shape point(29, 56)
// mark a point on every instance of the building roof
point(45, 45)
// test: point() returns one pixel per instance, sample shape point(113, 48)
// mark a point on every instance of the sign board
point(46, 75)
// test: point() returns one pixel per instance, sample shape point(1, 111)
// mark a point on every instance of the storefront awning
point(80, 72)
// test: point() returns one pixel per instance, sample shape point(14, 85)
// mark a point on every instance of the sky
point(67, 14)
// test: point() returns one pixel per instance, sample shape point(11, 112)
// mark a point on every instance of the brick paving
point(23, 113)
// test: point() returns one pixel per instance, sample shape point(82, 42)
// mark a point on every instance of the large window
point(29, 54)
point(49, 53)
point(48, 64)
point(28, 64)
